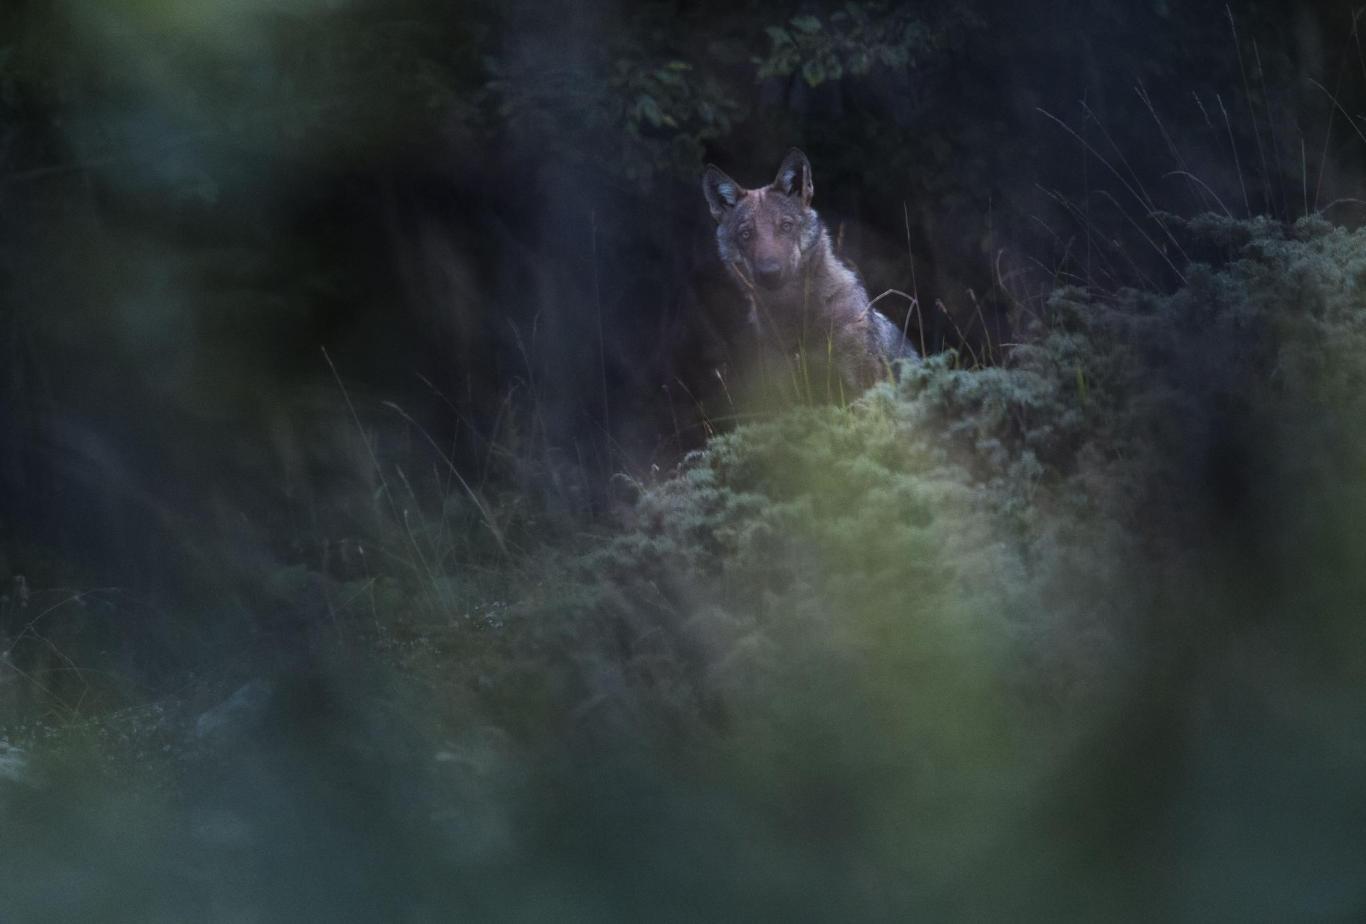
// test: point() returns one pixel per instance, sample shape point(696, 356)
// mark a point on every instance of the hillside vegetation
point(1077, 634)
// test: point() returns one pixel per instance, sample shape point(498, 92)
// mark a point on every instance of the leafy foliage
point(990, 642)
point(648, 87)
point(856, 39)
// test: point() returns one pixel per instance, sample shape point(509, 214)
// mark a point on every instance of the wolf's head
point(764, 233)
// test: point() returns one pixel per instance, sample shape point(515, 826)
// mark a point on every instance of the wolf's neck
point(823, 275)
point(819, 264)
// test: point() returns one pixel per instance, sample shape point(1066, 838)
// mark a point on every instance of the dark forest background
point(482, 209)
point(307, 302)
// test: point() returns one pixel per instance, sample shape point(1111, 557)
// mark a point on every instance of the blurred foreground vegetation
point(1078, 634)
point(381, 539)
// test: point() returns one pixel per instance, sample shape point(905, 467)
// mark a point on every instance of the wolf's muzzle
point(769, 274)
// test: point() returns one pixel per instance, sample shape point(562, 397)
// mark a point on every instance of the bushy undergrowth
point(1014, 642)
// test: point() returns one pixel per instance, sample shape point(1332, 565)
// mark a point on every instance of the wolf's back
point(889, 340)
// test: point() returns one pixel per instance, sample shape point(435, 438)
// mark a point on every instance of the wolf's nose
point(770, 273)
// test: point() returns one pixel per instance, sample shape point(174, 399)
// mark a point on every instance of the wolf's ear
point(794, 177)
point(722, 193)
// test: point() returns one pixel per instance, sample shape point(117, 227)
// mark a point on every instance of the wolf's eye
point(787, 224)
point(746, 234)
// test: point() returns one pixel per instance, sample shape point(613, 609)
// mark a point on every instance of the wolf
point(807, 307)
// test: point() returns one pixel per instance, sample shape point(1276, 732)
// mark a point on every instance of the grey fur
point(806, 305)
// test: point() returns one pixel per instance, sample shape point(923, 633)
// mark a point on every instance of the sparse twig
point(484, 514)
point(1237, 163)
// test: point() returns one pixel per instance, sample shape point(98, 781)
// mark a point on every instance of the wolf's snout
point(769, 273)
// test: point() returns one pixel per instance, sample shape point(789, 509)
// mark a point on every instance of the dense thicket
point(382, 538)
point(481, 209)
point(988, 642)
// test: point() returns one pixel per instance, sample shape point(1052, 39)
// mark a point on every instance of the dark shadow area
point(387, 531)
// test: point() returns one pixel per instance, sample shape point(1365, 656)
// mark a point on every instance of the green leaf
point(814, 72)
point(779, 35)
point(648, 109)
point(807, 24)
